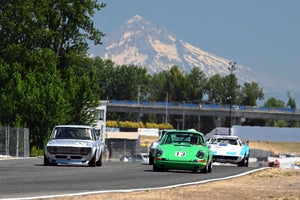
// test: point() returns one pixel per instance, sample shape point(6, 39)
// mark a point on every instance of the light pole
point(166, 118)
point(178, 120)
point(231, 69)
point(139, 94)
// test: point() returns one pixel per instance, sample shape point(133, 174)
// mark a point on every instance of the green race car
point(183, 150)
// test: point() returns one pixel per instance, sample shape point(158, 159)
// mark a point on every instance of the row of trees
point(129, 82)
point(46, 78)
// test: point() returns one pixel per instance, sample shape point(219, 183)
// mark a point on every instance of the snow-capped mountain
point(144, 44)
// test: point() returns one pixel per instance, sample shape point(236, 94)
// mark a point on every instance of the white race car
point(229, 149)
point(73, 144)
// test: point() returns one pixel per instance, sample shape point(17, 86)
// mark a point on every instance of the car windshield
point(72, 133)
point(182, 138)
point(231, 141)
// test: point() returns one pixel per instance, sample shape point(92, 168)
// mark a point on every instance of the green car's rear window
point(182, 138)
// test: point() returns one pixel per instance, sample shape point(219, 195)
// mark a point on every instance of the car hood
point(70, 143)
point(226, 149)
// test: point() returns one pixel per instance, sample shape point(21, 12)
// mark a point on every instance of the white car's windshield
point(224, 141)
point(72, 133)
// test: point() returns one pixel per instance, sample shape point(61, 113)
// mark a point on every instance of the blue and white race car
point(229, 149)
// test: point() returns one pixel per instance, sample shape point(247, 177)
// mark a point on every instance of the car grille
point(225, 157)
point(70, 150)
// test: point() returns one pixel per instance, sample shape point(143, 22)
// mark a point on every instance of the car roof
point(225, 136)
point(186, 131)
point(73, 126)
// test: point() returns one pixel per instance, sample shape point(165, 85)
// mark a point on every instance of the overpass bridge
point(187, 109)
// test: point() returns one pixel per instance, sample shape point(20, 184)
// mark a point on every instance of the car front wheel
point(92, 162)
point(244, 162)
point(205, 169)
point(210, 167)
point(99, 162)
point(151, 159)
point(156, 169)
point(46, 161)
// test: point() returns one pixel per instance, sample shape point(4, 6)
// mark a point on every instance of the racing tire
point(156, 169)
point(210, 167)
point(247, 161)
point(244, 162)
point(204, 170)
point(151, 159)
point(92, 162)
point(47, 162)
point(99, 162)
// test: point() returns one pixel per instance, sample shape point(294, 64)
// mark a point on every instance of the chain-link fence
point(125, 150)
point(14, 142)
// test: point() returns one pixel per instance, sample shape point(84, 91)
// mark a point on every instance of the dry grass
point(276, 147)
point(147, 140)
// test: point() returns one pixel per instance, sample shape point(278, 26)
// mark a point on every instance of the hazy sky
point(260, 34)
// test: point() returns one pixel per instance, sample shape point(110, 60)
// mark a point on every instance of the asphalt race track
point(21, 178)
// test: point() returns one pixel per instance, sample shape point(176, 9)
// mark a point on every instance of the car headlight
point(158, 152)
point(200, 154)
point(52, 150)
point(153, 145)
point(85, 151)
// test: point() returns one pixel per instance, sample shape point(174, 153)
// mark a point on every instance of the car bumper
point(180, 165)
point(227, 159)
point(69, 159)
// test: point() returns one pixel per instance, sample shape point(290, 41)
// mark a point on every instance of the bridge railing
point(204, 105)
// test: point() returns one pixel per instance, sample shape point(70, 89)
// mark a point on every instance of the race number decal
point(180, 154)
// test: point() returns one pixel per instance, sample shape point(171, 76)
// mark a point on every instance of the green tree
point(250, 94)
point(292, 104)
point(42, 82)
point(195, 84)
point(175, 85)
point(157, 86)
point(219, 89)
point(275, 103)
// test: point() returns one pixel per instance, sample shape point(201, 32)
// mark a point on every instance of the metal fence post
point(26, 143)
point(7, 140)
point(17, 146)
